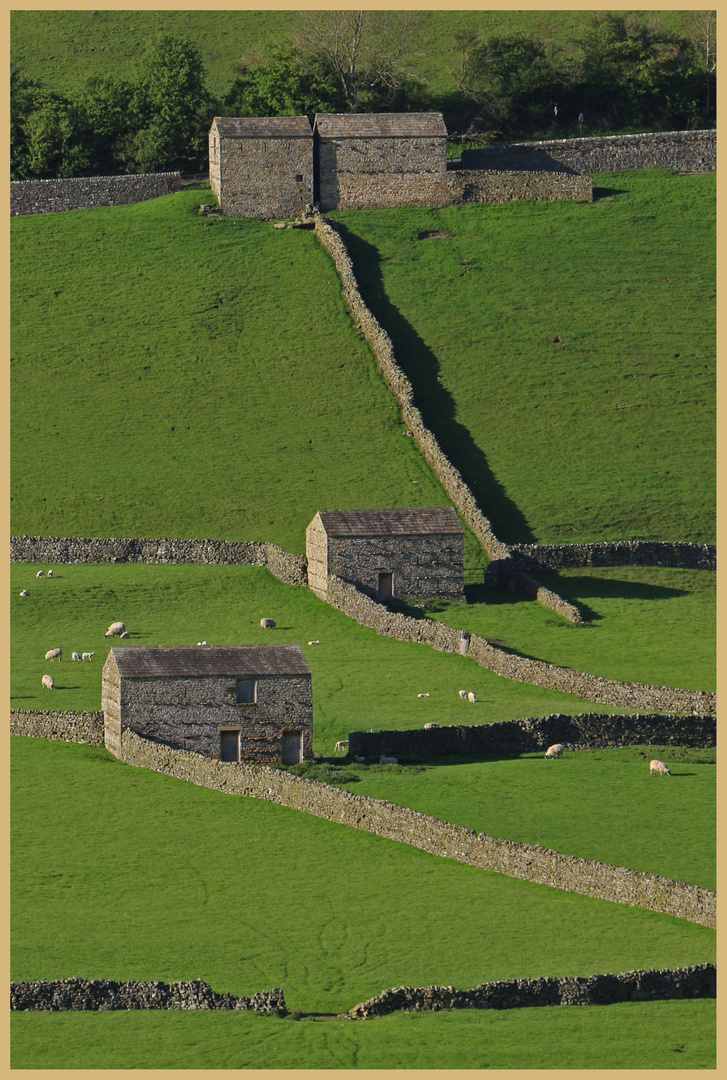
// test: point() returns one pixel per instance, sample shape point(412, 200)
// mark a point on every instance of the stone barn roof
point(411, 521)
point(263, 127)
point(143, 661)
point(379, 125)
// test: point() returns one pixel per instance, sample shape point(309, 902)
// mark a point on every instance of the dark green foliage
point(287, 83)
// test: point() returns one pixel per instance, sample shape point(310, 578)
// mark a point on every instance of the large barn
point(261, 166)
point(380, 159)
point(415, 553)
point(232, 702)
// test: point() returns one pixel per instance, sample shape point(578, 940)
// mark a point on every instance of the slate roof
point(143, 661)
point(411, 521)
point(264, 127)
point(379, 125)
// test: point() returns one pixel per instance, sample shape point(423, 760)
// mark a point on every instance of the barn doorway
point(229, 745)
point(386, 586)
point(292, 747)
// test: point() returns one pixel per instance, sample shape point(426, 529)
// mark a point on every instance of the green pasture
point(563, 353)
point(644, 624)
point(175, 375)
point(125, 873)
point(63, 47)
point(595, 804)
point(648, 1035)
point(360, 679)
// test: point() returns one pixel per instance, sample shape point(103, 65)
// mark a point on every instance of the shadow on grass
point(607, 193)
point(437, 406)
point(574, 588)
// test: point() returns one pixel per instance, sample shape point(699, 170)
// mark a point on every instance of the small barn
point(232, 702)
point(261, 166)
point(415, 553)
point(380, 159)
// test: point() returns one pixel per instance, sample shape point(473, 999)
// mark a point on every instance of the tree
point(704, 38)
point(288, 83)
point(105, 103)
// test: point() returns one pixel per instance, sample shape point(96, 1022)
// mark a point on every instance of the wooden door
point(386, 586)
point(229, 746)
point(292, 747)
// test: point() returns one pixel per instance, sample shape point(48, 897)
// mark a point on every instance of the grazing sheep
point(115, 628)
point(556, 750)
point(47, 681)
point(39, 574)
point(316, 642)
point(463, 693)
point(471, 697)
point(384, 760)
point(267, 624)
point(124, 633)
point(423, 695)
point(88, 655)
point(201, 642)
point(53, 653)
point(341, 745)
point(24, 592)
point(657, 766)
point(50, 573)
point(428, 727)
point(75, 656)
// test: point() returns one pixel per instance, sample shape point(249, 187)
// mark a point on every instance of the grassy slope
point(192, 377)
point(608, 434)
point(63, 47)
point(657, 1035)
point(124, 873)
point(625, 816)
point(359, 679)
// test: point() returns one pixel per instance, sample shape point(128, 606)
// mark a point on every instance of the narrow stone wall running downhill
point(85, 192)
point(450, 478)
point(526, 861)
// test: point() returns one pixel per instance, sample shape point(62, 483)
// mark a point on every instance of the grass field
point(563, 353)
point(656, 1035)
point(63, 47)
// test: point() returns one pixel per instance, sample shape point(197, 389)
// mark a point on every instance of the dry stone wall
point(287, 567)
point(61, 995)
point(526, 861)
point(61, 726)
point(503, 185)
point(665, 984)
point(628, 695)
point(535, 734)
point(681, 151)
point(85, 192)
point(681, 554)
point(423, 566)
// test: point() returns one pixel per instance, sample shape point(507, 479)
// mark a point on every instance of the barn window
point(230, 745)
point(299, 178)
point(246, 691)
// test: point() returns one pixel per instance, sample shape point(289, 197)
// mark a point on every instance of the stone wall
point(450, 478)
point(681, 151)
point(259, 176)
point(628, 695)
point(287, 567)
point(422, 566)
point(526, 861)
point(62, 726)
point(503, 185)
point(357, 172)
point(535, 734)
point(665, 984)
point(60, 995)
point(681, 554)
point(84, 192)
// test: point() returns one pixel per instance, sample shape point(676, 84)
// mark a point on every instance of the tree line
point(627, 72)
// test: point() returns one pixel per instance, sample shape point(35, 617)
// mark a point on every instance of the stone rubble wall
point(630, 695)
point(450, 478)
point(85, 192)
point(681, 151)
point(583, 731)
point(62, 726)
point(287, 567)
point(529, 862)
point(681, 554)
point(257, 177)
point(60, 995)
point(423, 566)
point(505, 185)
point(665, 984)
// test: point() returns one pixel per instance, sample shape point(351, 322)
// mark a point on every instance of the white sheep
point(24, 592)
point(424, 695)
point(657, 766)
point(463, 693)
point(429, 727)
point(267, 624)
point(556, 750)
point(315, 642)
point(124, 633)
point(75, 656)
point(341, 745)
point(88, 655)
point(115, 628)
point(47, 681)
point(384, 760)
point(471, 697)
point(39, 574)
point(54, 654)
point(201, 642)
point(50, 573)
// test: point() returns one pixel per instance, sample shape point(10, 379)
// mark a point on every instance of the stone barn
point(415, 553)
point(260, 166)
point(380, 159)
point(232, 702)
